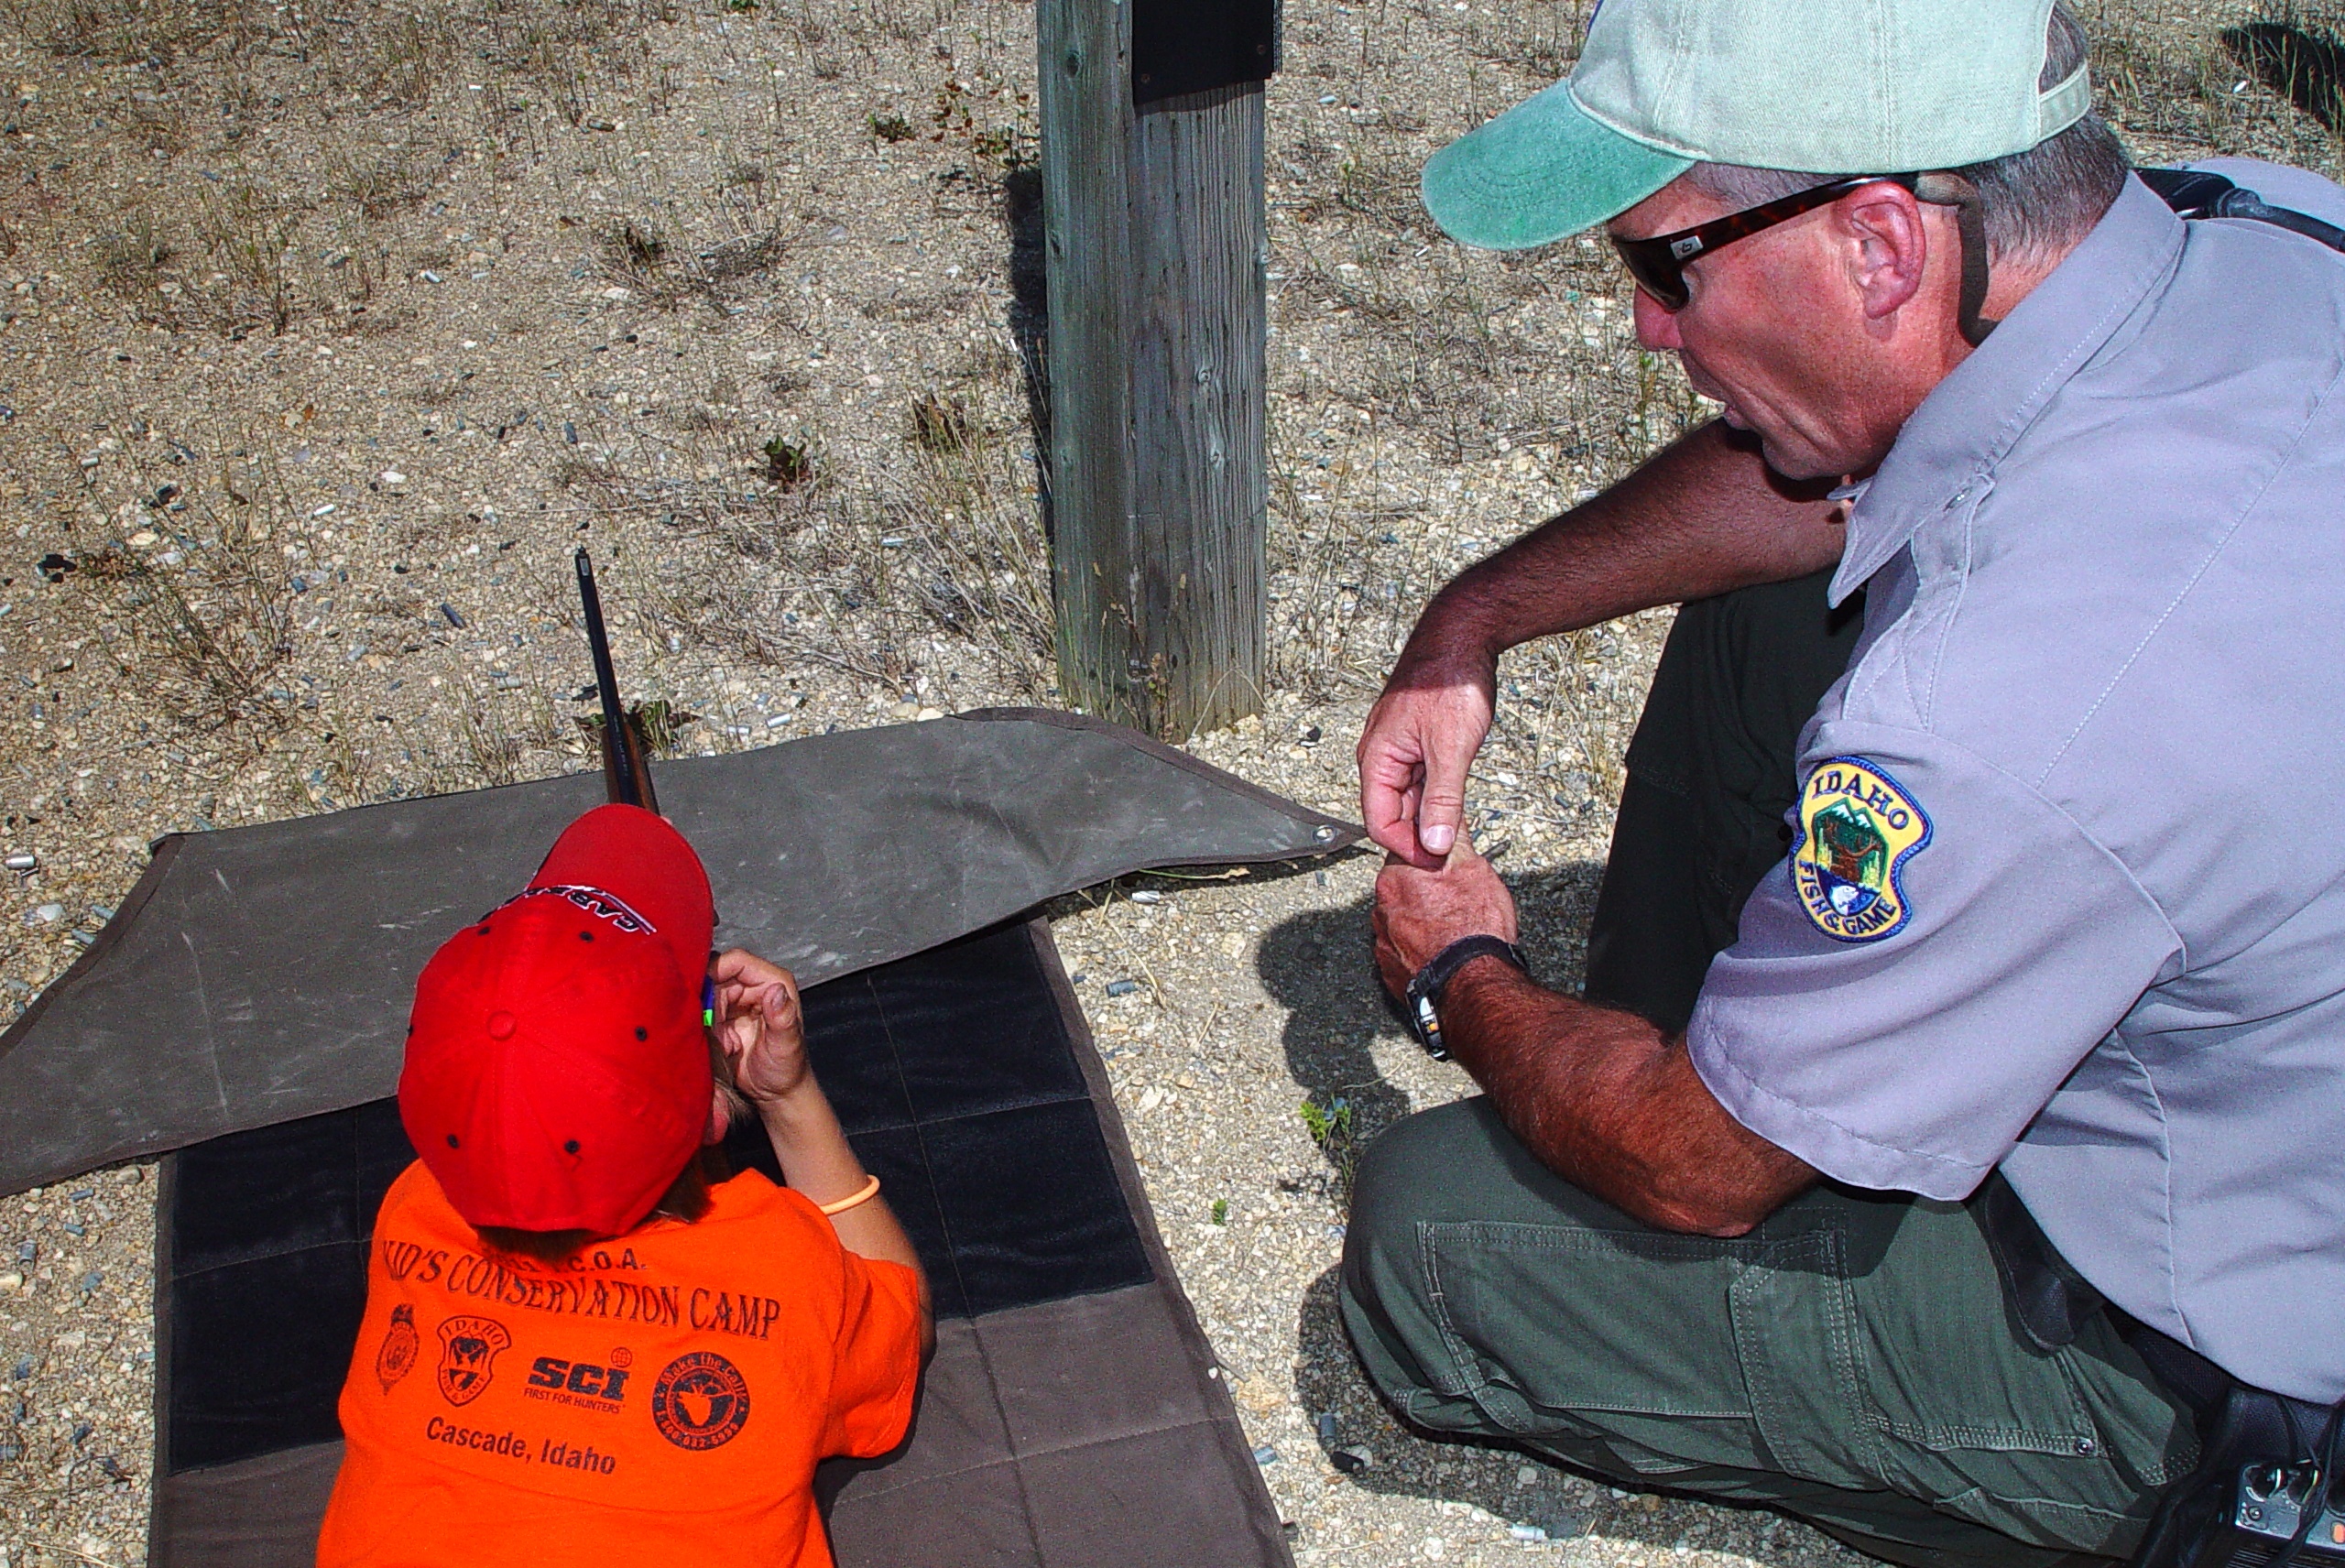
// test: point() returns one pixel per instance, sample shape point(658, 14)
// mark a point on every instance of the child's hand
point(759, 1026)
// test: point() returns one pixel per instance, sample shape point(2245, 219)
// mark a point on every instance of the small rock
point(11, 1283)
point(24, 1368)
point(49, 914)
point(1258, 1394)
point(393, 476)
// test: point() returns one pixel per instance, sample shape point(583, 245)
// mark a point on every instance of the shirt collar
point(1950, 445)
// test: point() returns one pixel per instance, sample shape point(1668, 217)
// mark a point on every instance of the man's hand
point(1701, 516)
point(1420, 912)
point(760, 1026)
point(1414, 751)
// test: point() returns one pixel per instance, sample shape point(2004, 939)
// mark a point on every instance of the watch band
point(1424, 1000)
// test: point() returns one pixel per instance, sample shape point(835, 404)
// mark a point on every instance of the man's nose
point(1656, 328)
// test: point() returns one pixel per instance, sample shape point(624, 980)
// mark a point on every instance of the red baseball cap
point(557, 1073)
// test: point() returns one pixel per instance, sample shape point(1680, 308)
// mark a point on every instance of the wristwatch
point(1424, 1000)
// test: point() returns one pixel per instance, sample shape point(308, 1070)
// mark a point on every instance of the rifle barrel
point(628, 787)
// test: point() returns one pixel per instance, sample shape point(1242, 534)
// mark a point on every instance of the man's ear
point(1889, 244)
point(720, 1116)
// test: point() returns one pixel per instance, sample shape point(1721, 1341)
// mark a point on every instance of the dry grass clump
point(2258, 81)
point(186, 582)
point(128, 32)
point(772, 555)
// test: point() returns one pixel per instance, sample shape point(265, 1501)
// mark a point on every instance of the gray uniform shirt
point(2067, 893)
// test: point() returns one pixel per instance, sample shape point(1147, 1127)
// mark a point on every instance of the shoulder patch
point(1858, 827)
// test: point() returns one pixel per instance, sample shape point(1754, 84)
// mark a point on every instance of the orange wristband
point(870, 1190)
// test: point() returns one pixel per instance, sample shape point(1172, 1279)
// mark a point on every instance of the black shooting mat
point(1066, 1419)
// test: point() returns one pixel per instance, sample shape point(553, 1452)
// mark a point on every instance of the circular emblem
point(397, 1355)
point(700, 1401)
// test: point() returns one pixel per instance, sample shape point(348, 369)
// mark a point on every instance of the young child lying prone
point(582, 1341)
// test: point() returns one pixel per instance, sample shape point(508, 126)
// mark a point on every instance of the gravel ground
point(323, 337)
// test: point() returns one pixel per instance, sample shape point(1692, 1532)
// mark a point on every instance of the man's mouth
point(1700, 382)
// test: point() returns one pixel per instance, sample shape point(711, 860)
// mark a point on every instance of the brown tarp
point(259, 974)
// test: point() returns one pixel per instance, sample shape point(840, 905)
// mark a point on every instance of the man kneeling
point(579, 1334)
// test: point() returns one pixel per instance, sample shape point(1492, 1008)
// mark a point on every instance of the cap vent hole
point(451, 1140)
point(642, 1033)
point(586, 936)
point(480, 930)
point(571, 1147)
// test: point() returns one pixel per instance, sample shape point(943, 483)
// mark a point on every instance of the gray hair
point(2033, 203)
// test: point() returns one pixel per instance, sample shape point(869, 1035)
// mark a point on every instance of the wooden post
point(1155, 248)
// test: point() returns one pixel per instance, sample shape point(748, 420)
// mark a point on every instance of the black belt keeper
point(2265, 1493)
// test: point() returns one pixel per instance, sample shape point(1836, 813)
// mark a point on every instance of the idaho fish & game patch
point(468, 1347)
point(1858, 827)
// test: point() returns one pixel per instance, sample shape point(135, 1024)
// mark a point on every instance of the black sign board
point(1197, 45)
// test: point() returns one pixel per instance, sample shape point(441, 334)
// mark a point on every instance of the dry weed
point(188, 589)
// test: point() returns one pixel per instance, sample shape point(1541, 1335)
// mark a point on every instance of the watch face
point(1429, 1029)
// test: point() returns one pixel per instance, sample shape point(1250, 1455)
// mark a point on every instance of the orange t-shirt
point(660, 1398)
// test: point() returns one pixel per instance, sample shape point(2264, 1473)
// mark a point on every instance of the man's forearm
point(1702, 516)
point(1612, 1106)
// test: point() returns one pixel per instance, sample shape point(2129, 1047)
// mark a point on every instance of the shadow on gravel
point(1321, 967)
point(1030, 313)
point(2305, 67)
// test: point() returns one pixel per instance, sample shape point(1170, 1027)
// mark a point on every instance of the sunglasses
point(1659, 264)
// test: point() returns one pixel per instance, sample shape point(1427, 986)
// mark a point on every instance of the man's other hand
point(759, 1024)
point(1418, 913)
point(1413, 753)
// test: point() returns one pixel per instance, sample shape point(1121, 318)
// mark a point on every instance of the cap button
point(500, 1026)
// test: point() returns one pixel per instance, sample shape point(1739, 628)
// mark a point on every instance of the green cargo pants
point(1851, 1362)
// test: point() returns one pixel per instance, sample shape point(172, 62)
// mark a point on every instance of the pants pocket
point(1622, 1335)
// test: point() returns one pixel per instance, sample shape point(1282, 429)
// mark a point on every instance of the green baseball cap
point(1823, 86)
